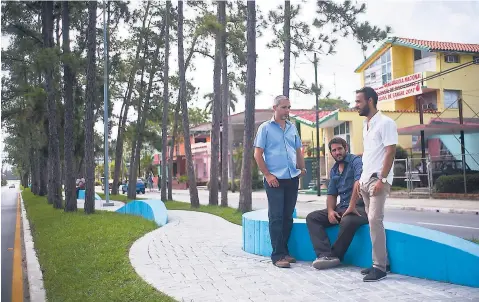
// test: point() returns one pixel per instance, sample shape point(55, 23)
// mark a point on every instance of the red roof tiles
point(441, 46)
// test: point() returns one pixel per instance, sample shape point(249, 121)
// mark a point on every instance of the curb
point(35, 276)
point(429, 209)
point(437, 210)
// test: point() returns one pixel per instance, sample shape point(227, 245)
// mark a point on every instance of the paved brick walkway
point(198, 257)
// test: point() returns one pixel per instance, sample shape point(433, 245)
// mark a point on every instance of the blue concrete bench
point(154, 210)
point(81, 195)
point(412, 250)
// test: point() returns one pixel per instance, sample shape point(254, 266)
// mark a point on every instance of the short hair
point(369, 93)
point(278, 99)
point(337, 140)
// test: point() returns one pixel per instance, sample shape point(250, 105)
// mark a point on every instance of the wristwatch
point(384, 180)
point(304, 170)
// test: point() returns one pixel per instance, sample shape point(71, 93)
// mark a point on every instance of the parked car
point(140, 187)
point(12, 186)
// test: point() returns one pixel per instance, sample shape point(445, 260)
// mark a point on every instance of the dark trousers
point(281, 203)
point(317, 221)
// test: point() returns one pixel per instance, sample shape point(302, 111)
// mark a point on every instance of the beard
point(364, 112)
point(339, 160)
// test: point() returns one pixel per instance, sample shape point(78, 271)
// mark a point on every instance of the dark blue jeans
point(281, 203)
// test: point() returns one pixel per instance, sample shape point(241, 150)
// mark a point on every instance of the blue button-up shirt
point(342, 184)
point(279, 148)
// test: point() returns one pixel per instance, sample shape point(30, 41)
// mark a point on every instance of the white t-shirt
point(382, 132)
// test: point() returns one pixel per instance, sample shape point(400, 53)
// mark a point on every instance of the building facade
point(410, 75)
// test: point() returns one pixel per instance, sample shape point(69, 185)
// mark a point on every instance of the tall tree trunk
point(216, 120)
point(133, 172)
point(287, 47)
point(224, 104)
point(172, 149)
point(43, 170)
point(125, 107)
point(54, 181)
point(70, 190)
point(245, 201)
point(89, 111)
point(164, 120)
point(146, 107)
point(195, 202)
point(34, 166)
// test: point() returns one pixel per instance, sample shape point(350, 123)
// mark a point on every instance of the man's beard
point(364, 112)
point(340, 160)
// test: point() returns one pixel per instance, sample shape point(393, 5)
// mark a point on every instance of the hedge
point(455, 183)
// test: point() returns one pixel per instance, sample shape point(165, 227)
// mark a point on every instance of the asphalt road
point(9, 212)
point(461, 225)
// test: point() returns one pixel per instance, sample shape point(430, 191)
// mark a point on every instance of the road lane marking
point(17, 276)
point(449, 225)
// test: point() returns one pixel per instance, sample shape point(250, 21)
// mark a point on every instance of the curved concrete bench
point(154, 210)
point(81, 195)
point(413, 251)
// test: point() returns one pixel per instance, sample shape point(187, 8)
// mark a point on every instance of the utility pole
point(318, 162)
point(105, 108)
point(423, 141)
point(463, 148)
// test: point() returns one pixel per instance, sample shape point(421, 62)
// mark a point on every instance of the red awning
point(438, 129)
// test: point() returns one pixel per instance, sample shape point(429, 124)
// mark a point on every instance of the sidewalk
point(198, 257)
point(307, 202)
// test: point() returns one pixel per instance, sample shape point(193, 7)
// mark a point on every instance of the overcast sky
point(453, 21)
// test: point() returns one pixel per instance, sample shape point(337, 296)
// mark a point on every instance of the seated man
point(350, 213)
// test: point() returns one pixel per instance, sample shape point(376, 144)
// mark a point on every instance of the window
point(379, 72)
point(451, 58)
point(451, 97)
point(475, 59)
point(417, 55)
point(342, 131)
point(386, 67)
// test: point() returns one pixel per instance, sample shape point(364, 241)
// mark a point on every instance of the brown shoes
point(290, 259)
point(285, 262)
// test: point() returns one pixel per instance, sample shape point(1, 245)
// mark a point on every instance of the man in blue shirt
point(278, 155)
point(349, 213)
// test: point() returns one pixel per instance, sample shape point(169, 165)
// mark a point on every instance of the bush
point(4, 182)
point(182, 179)
point(399, 171)
point(455, 183)
point(400, 153)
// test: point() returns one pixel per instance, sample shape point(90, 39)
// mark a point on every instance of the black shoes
point(374, 275)
point(366, 270)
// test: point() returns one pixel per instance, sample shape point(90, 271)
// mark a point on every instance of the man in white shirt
point(380, 138)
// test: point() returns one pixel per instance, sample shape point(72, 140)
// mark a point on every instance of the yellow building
point(408, 73)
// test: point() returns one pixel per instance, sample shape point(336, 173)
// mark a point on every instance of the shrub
point(183, 178)
point(399, 171)
point(455, 183)
point(4, 182)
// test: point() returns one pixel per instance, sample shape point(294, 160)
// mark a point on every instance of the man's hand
point(303, 172)
point(352, 210)
point(378, 187)
point(358, 188)
point(333, 217)
point(272, 181)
